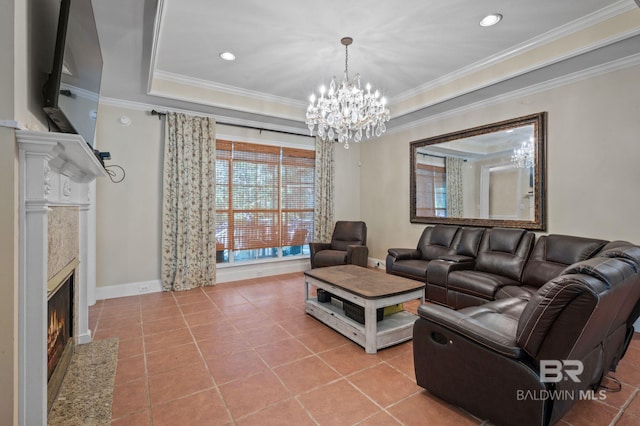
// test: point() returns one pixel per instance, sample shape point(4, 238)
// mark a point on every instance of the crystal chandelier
point(524, 157)
point(346, 111)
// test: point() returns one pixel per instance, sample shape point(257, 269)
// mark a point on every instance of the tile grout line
point(202, 358)
point(625, 406)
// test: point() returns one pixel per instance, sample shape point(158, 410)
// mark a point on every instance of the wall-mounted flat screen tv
point(72, 91)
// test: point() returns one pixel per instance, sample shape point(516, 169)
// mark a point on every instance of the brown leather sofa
point(506, 266)
point(348, 246)
point(436, 242)
point(544, 343)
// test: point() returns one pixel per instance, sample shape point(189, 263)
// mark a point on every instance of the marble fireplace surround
point(55, 170)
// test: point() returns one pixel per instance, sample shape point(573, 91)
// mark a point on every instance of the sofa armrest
point(457, 258)
point(357, 255)
point(439, 269)
point(404, 253)
point(487, 335)
point(315, 248)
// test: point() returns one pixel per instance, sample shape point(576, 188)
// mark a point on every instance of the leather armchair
point(487, 359)
point(348, 246)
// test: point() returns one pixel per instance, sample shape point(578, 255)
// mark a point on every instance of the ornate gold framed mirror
point(492, 175)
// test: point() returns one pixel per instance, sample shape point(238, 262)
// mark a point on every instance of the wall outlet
point(143, 288)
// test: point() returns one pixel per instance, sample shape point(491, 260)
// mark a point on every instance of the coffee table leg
point(370, 327)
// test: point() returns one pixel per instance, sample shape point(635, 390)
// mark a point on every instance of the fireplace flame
point(53, 332)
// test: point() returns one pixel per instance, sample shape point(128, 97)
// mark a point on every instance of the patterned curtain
point(453, 167)
point(188, 203)
point(323, 201)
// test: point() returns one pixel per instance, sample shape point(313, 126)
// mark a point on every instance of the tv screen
point(72, 91)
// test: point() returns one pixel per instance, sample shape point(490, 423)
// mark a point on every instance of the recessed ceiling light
point(490, 20)
point(228, 56)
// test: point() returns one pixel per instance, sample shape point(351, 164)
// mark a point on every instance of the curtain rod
point(160, 114)
point(438, 156)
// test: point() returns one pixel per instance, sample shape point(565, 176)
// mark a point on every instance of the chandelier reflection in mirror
point(524, 157)
point(346, 111)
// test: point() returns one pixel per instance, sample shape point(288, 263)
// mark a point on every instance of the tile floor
point(245, 353)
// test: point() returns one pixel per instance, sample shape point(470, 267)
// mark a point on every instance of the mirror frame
point(538, 223)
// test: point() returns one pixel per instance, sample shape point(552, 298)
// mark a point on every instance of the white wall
point(347, 182)
point(129, 213)
point(593, 149)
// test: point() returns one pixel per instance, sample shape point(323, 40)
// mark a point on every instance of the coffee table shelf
point(370, 290)
point(393, 329)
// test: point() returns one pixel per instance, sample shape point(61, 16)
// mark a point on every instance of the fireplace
point(60, 326)
point(60, 323)
point(55, 226)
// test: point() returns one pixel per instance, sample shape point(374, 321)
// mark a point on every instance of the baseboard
point(237, 273)
point(223, 274)
point(128, 289)
point(376, 263)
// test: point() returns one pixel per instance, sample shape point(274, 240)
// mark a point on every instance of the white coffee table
point(370, 289)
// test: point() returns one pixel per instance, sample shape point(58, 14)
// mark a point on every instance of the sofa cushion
point(330, 258)
point(568, 249)
point(494, 323)
point(608, 270)
point(553, 253)
point(348, 233)
point(443, 235)
point(505, 240)
point(504, 252)
point(437, 241)
point(481, 284)
point(523, 292)
point(500, 315)
point(412, 268)
point(628, 252)
point(470, 239)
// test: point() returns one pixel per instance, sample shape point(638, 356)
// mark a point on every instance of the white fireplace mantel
point(55, 169)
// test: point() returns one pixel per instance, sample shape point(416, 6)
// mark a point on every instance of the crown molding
point(225, 88)
point(141, 106)
point(594, 18)
point(154, 47)
point(594, 71)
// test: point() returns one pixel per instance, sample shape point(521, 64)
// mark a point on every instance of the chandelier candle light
point(346, 111)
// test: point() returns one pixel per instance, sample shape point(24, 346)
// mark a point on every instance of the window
point(264, 201)
point(431, 181)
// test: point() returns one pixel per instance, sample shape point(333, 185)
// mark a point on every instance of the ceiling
point(426, 57)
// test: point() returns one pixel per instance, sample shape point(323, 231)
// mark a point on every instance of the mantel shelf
point(69, 153)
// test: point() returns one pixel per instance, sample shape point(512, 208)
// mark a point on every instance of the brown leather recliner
point(502, 360)
point(551, 255)
point(436, 242)
point(500, 261)
point(348, 246)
